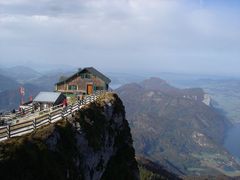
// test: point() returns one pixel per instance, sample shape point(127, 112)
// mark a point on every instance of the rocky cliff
point(95, 143)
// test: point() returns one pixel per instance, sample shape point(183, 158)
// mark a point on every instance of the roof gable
point(98, 74)
point(88, 69)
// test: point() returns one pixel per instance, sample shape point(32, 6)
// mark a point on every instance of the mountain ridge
point(175, 124)
point(21, 74)
point(7, 83)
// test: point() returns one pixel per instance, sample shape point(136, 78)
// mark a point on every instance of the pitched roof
point(47, 97)
point(97, 73)
point(91, 70)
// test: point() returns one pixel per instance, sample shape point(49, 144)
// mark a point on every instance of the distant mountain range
point(10, 99)
point(20, 74)
point(174, 127)
point(118, 79)
point(7, 83)
point(48, 80)
point(225, 92)
point(33, 82)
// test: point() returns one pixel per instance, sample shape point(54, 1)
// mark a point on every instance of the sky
point(190, 36)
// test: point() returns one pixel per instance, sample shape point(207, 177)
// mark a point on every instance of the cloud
point(112, 33)
point(12, 2)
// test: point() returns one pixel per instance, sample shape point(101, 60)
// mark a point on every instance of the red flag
point(22, 91)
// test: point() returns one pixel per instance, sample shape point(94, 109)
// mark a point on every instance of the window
point(99, 88)
point(87, 76)
point(72, 87)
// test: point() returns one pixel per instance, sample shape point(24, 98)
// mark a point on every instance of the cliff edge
point(94, 143)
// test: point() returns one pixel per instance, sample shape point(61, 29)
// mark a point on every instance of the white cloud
point(40, 18)
point(153, 30)
point(8, 2)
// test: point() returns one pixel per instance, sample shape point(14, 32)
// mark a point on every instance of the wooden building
point(85, 81)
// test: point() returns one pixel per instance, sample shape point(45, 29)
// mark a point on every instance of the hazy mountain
point(225, 92)
point(48, 80)
point(7, 83)
point(21, 74)
point(118, 79)
point(9, 96)
point(175, 125)
point(10, 99)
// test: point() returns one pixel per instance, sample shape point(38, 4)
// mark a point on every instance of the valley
point(232, 142)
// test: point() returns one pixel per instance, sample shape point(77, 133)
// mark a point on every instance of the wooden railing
point(10, 116)
point(54, 115)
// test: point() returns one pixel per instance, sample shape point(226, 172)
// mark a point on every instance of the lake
point(232, 141)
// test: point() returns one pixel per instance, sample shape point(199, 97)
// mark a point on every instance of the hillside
point(152, 171)
point(22, 74)
point(174, 126)
point(10, 99)
point(225, 92)
point(9, 95)
point(48, 80)
point(95, 143)
point(7, 83)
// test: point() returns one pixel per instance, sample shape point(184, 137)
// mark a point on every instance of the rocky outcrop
point(95, 143)
point(207, 100)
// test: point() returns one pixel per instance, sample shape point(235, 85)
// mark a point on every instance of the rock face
point(175, 128)
point(207, 100)
point(95, 143)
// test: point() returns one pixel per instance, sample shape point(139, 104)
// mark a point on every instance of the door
point(89, 89)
